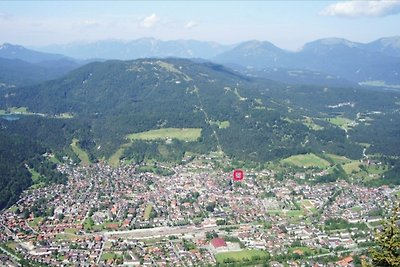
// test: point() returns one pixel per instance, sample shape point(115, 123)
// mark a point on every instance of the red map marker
point(238, 175)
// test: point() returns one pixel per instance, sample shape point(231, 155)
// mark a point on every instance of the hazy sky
point(288, 24)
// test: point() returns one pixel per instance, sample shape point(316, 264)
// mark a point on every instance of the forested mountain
point(16, 72)
point(266, 119)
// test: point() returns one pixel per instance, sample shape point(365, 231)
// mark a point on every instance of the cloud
point(90, 23)
point(190, 24)
point(354, 9)
point(150, 21)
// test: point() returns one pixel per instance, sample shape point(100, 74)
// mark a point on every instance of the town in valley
point(195, 214)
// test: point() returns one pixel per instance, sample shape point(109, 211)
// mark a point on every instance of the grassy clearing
point(221, 124)
point(338, 159)
point(12, 245)
point(54, 159)
point(295, 213)
point(147, 211)
point(309, 122)
point(65, 116)
point(184, 134)
point(20, 110)
point(35, 222)
point(13, 208)
point(37, 185)
point(342, 122)
point(35, 175)
point(114, 159)
point(109, 256)
point(353, 166)
point(239, 96)
point(306, 161)
point(240, 255)
point(82, 155)
point(356, 209)
point(171, 68)
point(306, 204)
point(274, 212)
point(71, 230)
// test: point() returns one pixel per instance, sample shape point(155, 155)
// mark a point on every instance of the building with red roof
point(218, 243)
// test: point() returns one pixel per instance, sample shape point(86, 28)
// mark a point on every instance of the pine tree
point(388, 240)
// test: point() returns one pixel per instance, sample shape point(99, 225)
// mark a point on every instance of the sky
point(287, 24)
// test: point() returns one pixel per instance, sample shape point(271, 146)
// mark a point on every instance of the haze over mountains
point(21, 66)
point(331, 60)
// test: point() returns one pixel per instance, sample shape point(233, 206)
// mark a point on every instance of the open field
point(239, 255)
point(309, 122)
point(82, 155)
point(295, 213)
point(114, 159)
point(307, 160)
point(221, 124)
point(352, 166)
point(147, 211)
point(338, 159)
point(306, 204)
point(35, 222)
point(35, 175)
point(184, 134)
point(109, 256)
point(342, 122)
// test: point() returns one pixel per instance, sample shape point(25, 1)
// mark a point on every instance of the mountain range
point(341, 59)
point(140, 48)
point(329, 61)
point(356, 62)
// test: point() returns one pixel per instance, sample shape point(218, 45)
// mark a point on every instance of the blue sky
point(287, 24)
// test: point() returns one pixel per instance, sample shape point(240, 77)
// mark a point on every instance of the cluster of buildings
point(109, 216)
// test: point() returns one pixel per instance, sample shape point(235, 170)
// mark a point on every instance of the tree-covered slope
point(19, 155)
point(263, 120)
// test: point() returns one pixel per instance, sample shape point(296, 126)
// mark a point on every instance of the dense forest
point(17, 155)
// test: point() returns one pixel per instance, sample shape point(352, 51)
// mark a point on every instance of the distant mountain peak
point(393, 41)
point(333, 41)
point(10, 46)
point(12, 51)
point(256, 44)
